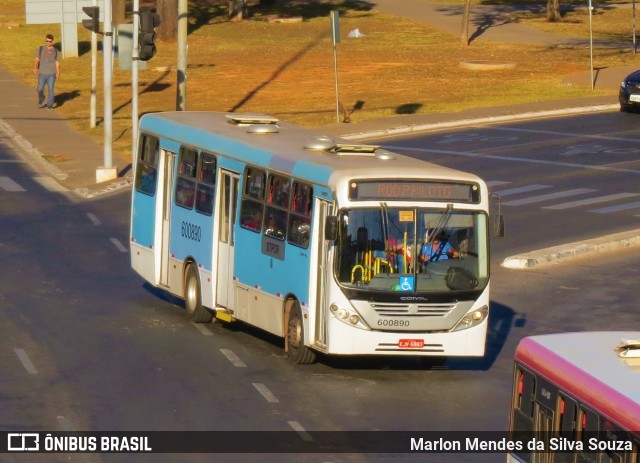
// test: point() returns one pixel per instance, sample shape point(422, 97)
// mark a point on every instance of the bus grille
point(413, 310)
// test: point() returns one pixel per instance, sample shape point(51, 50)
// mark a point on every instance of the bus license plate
point(411, 343)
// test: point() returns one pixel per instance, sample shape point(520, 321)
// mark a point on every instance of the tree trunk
point(168, 11)
point(553, 11)
point(117, 11)
point(464, 37)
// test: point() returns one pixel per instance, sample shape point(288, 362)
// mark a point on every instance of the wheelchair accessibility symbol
point(406, 284)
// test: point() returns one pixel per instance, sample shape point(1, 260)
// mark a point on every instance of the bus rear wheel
point(193, 298)
point(297, 351)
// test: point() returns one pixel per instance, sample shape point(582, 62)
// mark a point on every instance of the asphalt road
point(87, 345)
point(561, 180)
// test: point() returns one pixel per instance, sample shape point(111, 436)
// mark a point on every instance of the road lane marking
point(596, 200)
point(233, 358)
point(266, 393)
point(621, 207)
point(9, 185)
point(26, 361)
point(202, 327)
point(567, 134)
point(94, 220)
point(540, 198)
point(116, 242)
point(522, 189)
point(297, 427)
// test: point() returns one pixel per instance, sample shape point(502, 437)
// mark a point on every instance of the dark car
point(629, 95)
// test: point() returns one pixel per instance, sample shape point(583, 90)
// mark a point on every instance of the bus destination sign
point(410, 190)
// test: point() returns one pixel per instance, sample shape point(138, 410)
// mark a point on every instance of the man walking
point(47, 67)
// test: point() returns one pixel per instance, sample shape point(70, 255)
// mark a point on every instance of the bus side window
point(251, 215)
point(187, 164)
point(254, 183)
point(147, 168)
point(279, 191)
point(299, 230)
point(565, 426)
point(204, 199)
point(185, 192)
point(207, 169)
point(302, 198)
point(275, 223)
point(587, 428)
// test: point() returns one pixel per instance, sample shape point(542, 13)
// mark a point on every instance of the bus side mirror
point(331, 228)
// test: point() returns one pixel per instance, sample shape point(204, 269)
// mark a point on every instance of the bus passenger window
point(274, 223)
point(187, 165)
point(299, 230)
point(302, 198)
point(207, 172)
point(146, 179)
point(254, 183)
point(185, 192)
point(279, 191)
point(146, 171)
point(149, 150)
point(251, 215)
point(204, 199)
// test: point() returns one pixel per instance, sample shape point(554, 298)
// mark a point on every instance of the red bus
point(578, 393)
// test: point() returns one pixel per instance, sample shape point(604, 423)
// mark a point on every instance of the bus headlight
point(350, 317)
point(472, 318)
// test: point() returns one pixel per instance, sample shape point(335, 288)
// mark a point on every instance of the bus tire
point(297, 351)
point(192, 297)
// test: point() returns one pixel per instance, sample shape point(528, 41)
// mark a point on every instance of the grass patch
point(286, 69)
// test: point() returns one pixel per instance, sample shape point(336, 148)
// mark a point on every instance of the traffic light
point(93, 12)
point(149, 20)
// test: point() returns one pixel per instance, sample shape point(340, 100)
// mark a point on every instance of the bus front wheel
point(193, 298)
point(297, 351)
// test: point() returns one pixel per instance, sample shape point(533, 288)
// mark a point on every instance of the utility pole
point(94, 75)
point(107, 171)
point(181, 95)
point(134, 79)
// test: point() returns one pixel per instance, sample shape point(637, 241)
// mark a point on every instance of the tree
point(168, 11)
point(465, 23)
point(553, 11)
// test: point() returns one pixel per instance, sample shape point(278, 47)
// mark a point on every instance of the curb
point(558, 254)
point(480, 120)
point(27, 149)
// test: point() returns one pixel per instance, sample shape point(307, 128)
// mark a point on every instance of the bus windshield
point(412, 249)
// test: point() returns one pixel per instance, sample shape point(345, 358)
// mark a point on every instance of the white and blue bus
point(339, 248)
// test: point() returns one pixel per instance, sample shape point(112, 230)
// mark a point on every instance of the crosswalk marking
point(547, 197)
point(9, 185)
point(620, 207)
point(492, 183)
point(589, 201)
point(522, 189)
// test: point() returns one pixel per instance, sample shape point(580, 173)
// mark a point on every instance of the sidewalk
point(51, 143)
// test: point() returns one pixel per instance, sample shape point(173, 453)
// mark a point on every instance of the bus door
point(168, 160)
point(322, 209)
point(227, 205)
